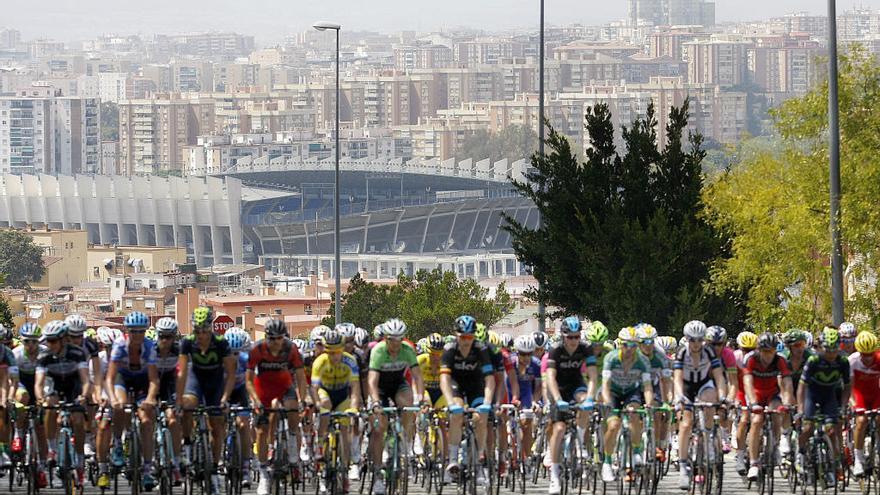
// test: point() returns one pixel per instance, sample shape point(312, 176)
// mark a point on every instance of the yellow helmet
point(747, 340)
point(494, 339)
point(867, 342)
point(628, 334)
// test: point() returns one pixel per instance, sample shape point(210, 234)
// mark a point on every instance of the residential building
point(105, 261)
point(720, 62)
point(64, 254)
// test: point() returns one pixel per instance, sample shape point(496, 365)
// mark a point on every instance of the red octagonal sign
point(222, 323)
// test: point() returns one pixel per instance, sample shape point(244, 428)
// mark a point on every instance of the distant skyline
point(271, 20)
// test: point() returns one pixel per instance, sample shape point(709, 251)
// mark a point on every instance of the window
point(308, 309)
point(150, 303)
point(117, 284)
point(128, 304)
point(96, 272)
point(154, 284)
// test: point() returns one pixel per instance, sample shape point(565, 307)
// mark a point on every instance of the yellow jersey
point(430, 376)
point(331, 376)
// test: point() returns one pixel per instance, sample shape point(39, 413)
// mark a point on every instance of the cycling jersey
point(660, 367)
point(25, 366)
point(430, 376)
point(274, 372)
point(90, 347)
point(7, 359)
point(796, 370)
point(568, 365)
point(334, 376)
point(469, 372)
point(865, 381)
point(204, 366)
point(765, 378)
point(392, 369)
point(167, 365)
point(527, 376)
point(624, 381)
point(740, 356)
point(63, 368)
point(131, 366)
point(820, 373)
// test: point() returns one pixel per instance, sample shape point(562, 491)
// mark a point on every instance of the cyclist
point(763, 372)
point(386, 383)
point(717, 337)
point(528, 373)
point(429, 363)
point(62, 375)
point(132, 377)
point(824, 388)
point(240, 345)
point(504, 374)
point(661, 383)
point(565, 384)
point(540, 340)
point(206, 376)
point(746, 343)
point(466, 380)
point(167, 356)
point(626, 386)
point(356, 346)
point(105, 339)
point(698, 376)
point(796, 354)
point(848, 334)
point(669, 346)
point(336, 383)
point(76, 329)
point(275, 379)
point(7, 362)
point(864, 366)
point(23, 374)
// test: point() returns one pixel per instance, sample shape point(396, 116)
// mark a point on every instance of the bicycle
point(767, 455)
point(397, 470)
point(820, 463)
point(66, 454)
point(515, 456)
point(571, 454)
point(283, 472)
point(134, 471)
point(870, 478)
point(331, 467)
point(707, 460)
point(625, 454)
point(233, 452)
point(200, 467)
point(26, 462)
point(468, 460)
point(164, 452)
point(433, 425)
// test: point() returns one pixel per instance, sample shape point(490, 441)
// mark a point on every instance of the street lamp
point(837, 313)
point(324, 26)
point(542, 310)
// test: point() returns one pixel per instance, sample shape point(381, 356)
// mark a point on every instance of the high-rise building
point(690, 12)
point(720, 62)
point(44, 132)
point(9, 38)
point(650, 12)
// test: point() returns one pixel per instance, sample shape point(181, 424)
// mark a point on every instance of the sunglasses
point(465, 337)
point(137, 332)
point(280, 337)
point(573, 337)
point(166, 337)
point(630, 345)
point(848, 341)
point(526, 354)
point(695, 339)
point(648, 341)
point(53, 339)
point(31, 341)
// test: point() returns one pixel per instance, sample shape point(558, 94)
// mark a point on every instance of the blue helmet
point(238, 339)
point(30, 330)
point(571, 325)
point(136, 319)
point(466, 324)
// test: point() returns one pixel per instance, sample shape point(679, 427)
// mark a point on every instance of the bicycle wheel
point(134, 456)
point(65, 463)
point(232, 458)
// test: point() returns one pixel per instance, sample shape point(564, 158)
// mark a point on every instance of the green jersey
point(625, 380)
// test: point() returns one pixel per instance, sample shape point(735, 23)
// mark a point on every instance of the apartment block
point(720, 62)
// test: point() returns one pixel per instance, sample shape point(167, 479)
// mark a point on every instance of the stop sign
point(222, 323)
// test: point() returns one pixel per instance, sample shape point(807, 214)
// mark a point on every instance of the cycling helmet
point(346, 330)
point(151, 334)
point(360, 337)
point(449, 339)
point(378, 332)
point(275, 327)
point(202, 316)
point(747, 340)
point(524, 344)
point(238, 339)
point(506, 340)
point(422, 345)
point(598, 333)
point(333, 340)
point(767, 340)
point(30, 331)
point(166, 326)
point(847, 330)
point(395, 328)
point(628, 334)
point(570, 325)
point(107, 336)
point(668, 344)
point(540, 339)
point(55, 329)
point(829, 338)
point(695, 329)
point(794, 336)
point(91, 333)
point(867, 342)
point(646, 331)
point(466, 325)
point(307, 348)
point(435, 342)
point(481, 334)
point(683, 342)
point(76, 325)
point(716, 334)
point(299, 343)
point(318, 332)
point(136, 319)
point(495, 339)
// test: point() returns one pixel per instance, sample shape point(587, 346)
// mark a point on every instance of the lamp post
point(324, 26)
point(837, 315)
point(542, 310)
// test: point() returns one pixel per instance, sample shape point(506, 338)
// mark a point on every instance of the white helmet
point(847, 330)
point(76, 325)
point(395, 328)
point(646, 331)
point(318, 332)
point(107, 336)
point(346, 330)
point(524, 344)
point(695, 329)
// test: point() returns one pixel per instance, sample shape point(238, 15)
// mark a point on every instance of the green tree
point(109, 121)
point(774, 205)
point(427, 301)
point(5, 313)
point(623, 239)
point(21, 261)
point(513, 143)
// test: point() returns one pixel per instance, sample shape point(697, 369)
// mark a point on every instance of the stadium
point(396, 216)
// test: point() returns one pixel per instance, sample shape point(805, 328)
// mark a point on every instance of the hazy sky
point(270, 20)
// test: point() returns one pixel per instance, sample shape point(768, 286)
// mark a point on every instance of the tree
point(427, 301)
point(774, 205)
point(513, 142)
point(21, 261)
point(5, 313)
point(623, 239)
point(109, 121)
